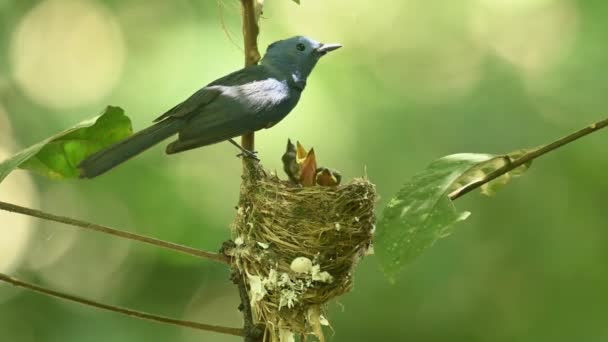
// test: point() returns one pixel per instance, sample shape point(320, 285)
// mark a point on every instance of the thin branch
point(251, 31)
point(527, 157)
point(119, 233)
point(253, 332)
point(122, 311)
point(252, 55)
point(220, 6)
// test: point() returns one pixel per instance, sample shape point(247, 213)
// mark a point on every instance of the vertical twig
point(253, 332)
point(251, 30)
point(252, 55)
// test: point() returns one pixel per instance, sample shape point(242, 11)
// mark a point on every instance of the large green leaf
point(57, 157)
point(421, 212)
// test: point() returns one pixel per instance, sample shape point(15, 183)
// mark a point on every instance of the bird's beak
point(325, 48)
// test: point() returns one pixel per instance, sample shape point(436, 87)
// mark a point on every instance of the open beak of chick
point(301, 167)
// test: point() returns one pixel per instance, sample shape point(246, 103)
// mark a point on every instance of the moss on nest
point(325, 229)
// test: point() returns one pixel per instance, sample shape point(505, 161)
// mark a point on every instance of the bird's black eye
point(300, 47)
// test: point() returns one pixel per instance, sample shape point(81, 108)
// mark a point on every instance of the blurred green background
point(416, 80)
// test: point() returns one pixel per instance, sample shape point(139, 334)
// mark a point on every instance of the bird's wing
point(237, 110)
point(240, 77)
point(208, 93)
point(199, 99)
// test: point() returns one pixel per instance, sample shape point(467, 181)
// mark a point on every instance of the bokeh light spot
point(211, 304)
point(532, 34)
point(16, 230)
point(96, 260)
point(67, 53)
point(422, 48)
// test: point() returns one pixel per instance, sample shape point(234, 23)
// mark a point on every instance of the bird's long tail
point(110, 157)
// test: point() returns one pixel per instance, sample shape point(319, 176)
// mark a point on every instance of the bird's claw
point(245, 153)
point(249, 154)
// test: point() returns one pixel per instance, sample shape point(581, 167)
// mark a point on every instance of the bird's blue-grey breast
point(244, 101)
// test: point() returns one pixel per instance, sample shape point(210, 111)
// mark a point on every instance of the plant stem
point(527, 157)
point(122, 311)
point(252, 55)
point(110, 231)
point(253, 332)
point(251, 30)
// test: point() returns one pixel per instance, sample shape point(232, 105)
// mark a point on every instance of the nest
point(296, 247)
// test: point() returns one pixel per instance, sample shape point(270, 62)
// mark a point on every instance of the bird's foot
point(245, 153)
point(249, 154)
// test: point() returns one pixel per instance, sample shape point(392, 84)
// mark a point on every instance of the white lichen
point(317, 275)
point(284, 280)
point(239, 241)
point(369, 250)
point(288, 298)
point(257, 290)
point(286, 335)
point(271, 281)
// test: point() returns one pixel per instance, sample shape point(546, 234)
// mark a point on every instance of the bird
point(299, 165)
point(290, 163)
point(247, 100)
point(308, 165)
point(327, 177)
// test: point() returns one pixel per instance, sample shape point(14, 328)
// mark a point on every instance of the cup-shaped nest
point(296, 247)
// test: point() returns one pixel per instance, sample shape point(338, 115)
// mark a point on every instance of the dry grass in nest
point(327, 229)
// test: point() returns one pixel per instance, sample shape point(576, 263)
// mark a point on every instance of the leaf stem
point(110, 231)
point(122, 311)
point(527, 157)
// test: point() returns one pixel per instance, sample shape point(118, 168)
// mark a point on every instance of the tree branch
point(527, 157)
point(122, 311)
point(253, 332)
point(252, 55)
point(110, 231)
point(251, 30)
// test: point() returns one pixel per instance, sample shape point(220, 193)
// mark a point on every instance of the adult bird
point(246, 100)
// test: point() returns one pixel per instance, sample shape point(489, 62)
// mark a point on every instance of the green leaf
point(492, 187)
point(57, 157)
point(480, 171)
point(421, 212)
point(297, 1)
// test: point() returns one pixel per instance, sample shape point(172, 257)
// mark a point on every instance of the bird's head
point(297, 55)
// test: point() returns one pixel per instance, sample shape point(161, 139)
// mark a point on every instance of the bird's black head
point(296, 54)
